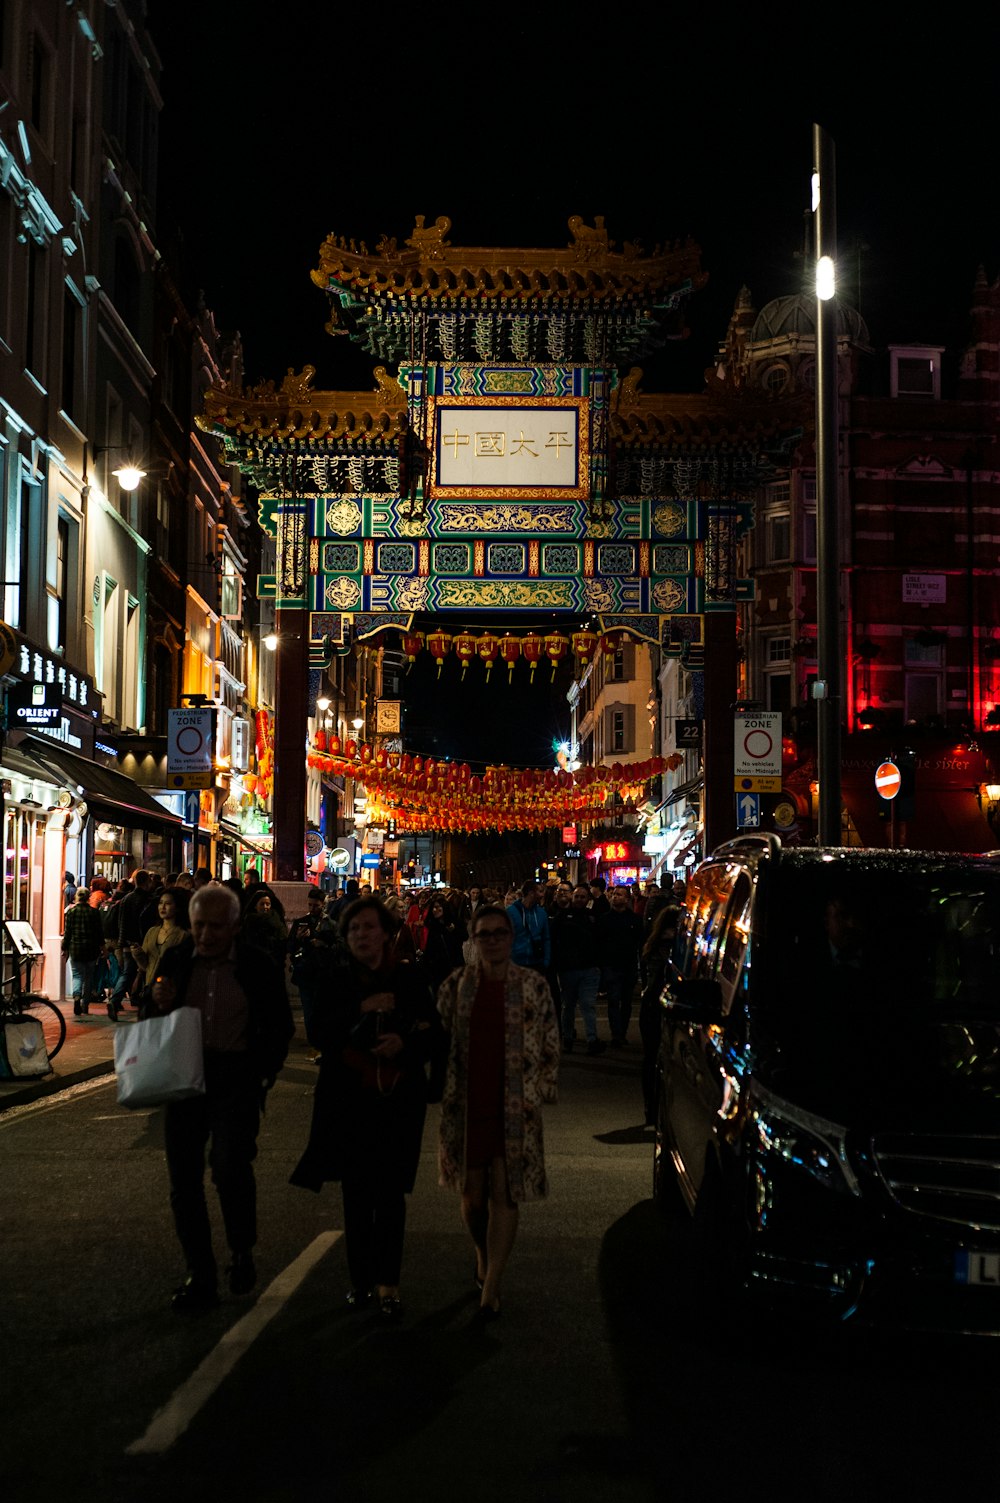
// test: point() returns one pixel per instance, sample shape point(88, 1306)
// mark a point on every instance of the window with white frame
point(778, 537)
point(915, 372)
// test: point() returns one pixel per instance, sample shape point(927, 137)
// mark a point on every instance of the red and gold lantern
point(413, 642)
point(439, 645)
point(510, 651)
point(555, 649)
point(465, 649)
point(488, 649)
point(585, 645)
point(531, 648)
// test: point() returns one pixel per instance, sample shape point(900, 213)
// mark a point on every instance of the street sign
point(757, 785)
point(887, 779)
point(190, 744)
point(33, 706)
point(748, 811)
point(687, 732)
point(757, 746)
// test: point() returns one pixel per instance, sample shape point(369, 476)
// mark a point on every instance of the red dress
point(485, 1137)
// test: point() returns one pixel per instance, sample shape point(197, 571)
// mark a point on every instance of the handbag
point(160, 1059)
point(24, 1048)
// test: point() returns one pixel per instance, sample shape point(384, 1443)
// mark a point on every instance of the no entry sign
point(887, 779)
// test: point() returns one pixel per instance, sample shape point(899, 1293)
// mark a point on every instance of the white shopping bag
point(160, 1059)
point(24, 1045)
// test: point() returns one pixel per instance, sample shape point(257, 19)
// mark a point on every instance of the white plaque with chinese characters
point(532, 447)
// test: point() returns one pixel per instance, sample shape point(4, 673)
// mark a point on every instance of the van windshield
point(925, 940)
point(880, 999)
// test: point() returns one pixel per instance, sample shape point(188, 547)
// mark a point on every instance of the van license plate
point(978, 1268)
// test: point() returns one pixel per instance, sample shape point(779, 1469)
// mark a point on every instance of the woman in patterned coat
point(503, 1058)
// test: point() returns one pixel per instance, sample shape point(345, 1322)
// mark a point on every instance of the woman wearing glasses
point(503, 1057)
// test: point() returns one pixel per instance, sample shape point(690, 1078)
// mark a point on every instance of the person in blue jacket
point(532, 942)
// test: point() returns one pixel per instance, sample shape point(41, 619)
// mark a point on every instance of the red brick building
point(919, 566)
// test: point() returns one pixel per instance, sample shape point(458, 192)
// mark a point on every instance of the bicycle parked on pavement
point(19, 1004)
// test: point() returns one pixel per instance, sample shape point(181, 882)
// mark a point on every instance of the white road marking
point(170, 1422)
point(58, 1098)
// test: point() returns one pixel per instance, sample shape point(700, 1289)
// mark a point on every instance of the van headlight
point(803, 1141)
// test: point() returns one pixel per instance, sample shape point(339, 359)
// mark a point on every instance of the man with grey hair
point(246, 1026)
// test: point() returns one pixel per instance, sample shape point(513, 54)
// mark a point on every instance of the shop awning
point(249, 843)
point(945, 819)
point(106, 792)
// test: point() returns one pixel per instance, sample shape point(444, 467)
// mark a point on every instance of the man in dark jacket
point(131, 917)
point(82, 943)
point(619, 932)
point(573, 929)
point(246, 1026)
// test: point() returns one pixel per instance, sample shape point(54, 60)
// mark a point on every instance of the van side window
point(713, 889)
point(735, 939)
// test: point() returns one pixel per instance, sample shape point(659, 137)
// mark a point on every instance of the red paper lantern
point(531, 647)
point(438, 645)
point(319, 740)
point(555, 649)
point(488, 648)
point(335, 745)
point(610, 643)
point(510, 651)
point(585, 645)
point(465, 649)
point(413, 642)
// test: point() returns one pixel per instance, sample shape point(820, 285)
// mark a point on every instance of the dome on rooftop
point(795, 318)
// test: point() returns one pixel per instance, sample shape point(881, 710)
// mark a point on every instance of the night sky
point(315, 119)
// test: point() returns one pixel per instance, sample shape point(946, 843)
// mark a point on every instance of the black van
point(829, 1079)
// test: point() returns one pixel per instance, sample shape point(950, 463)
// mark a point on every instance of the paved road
point(607, 1380)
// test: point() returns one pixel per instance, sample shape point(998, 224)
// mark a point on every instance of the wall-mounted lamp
point(358, 723)
point(270, 641)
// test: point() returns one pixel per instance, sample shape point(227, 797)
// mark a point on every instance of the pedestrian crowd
point(462, 997)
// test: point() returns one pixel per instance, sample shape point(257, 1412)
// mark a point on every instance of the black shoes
point(196, 1296)
point(390, 1308)
point(242, 1273)
point(486, 1314)
point(359, 1299)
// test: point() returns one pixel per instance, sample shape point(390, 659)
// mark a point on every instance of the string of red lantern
point(422, 793)
point(488, 647)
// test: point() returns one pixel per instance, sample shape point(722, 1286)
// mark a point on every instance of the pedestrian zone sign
point(757, 752)
point(190, 746)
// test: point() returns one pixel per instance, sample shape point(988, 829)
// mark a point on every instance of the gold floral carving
point(504, 517)
point(472, 594)
point(598, 596)
point(412, 595)
point(342, 594)
point(343, 517)
point(669, 519)
point(668, 595)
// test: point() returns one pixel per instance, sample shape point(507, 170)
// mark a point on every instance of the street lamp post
point(828, 689)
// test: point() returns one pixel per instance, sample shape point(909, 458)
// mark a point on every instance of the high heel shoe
point(486, 1314)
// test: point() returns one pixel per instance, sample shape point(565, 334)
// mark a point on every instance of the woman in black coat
point(376, 1026)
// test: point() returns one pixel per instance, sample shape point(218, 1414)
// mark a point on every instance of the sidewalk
point(89, 1050)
